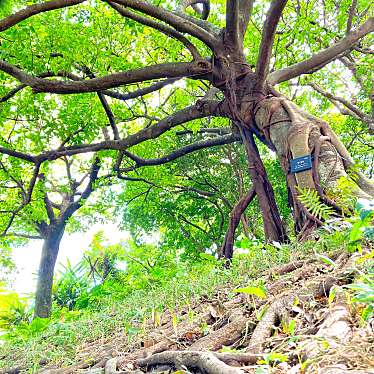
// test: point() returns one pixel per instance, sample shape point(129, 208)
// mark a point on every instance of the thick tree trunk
point(295, 133)
point(43, 296)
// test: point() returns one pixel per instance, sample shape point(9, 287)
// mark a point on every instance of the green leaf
point(291, 327)
point(332, 294)
point(260, 292)
point(326, 260)
point(368, 312)
point(275, 356)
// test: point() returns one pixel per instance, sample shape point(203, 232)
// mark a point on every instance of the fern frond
point(310, 199)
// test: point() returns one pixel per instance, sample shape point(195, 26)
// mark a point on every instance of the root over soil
point(298, 328)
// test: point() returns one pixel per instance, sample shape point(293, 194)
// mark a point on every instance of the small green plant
point(26, 330)
point(342, 193)
point(14, 310)
point(310, 199)
point(363, 290)
point(362, 228)
point(288, 327)
point(260, 291)
point(325, 259)
point(274, 357)
point(71, 287)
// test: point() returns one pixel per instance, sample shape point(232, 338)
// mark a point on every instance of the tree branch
point(204, 12)
point(323, 57)
point(20, 155)
point(210, 130)
point(115, 95)
point(49, 209)
point(12, 92)
point(351, 14)
point(199, 110)
point(267, 40)
point(47, 74)
point(245, 11)
point(109, 114)
point(165, 29)
point(217, 141)
point(105, 105)
point(32, 10)
point(141, 91)
point(238, 14)
point(356, 111)
point(213, 30)
point(26, 198)
point(21, 235)
point(232, 23)
point(173, 19)
point(93, 176)
point(167, 70)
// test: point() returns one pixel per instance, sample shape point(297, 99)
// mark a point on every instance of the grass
point(59, 341)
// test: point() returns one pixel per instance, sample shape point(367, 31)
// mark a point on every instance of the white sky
point(72, 248)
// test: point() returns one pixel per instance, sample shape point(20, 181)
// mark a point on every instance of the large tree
point(79, 47)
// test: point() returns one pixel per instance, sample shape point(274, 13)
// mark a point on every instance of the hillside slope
point(296, 318)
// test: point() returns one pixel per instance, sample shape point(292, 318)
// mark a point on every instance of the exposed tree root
point(288, 268)
point(334, 335)
point(111, 366)
point(335, 329)
point(205, 361)
point(300, 292)
point(169, 340)
point(276, 312)
point(226, 335)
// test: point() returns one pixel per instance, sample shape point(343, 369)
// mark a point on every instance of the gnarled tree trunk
point(294, 134)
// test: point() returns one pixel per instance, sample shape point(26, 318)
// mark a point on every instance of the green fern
point(310, 199)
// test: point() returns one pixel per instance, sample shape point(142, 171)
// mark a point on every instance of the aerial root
point(205, 361)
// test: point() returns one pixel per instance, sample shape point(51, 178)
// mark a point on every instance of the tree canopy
point(151, 110)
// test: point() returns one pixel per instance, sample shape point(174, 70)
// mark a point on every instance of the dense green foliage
point(34, 123)
point(176, 213)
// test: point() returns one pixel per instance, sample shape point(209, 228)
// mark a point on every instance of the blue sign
point(301, 164)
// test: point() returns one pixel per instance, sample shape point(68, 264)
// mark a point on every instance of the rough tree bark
point(50, 249)
point(294, 133)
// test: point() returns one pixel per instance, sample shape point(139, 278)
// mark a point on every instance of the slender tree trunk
point(43, 296)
